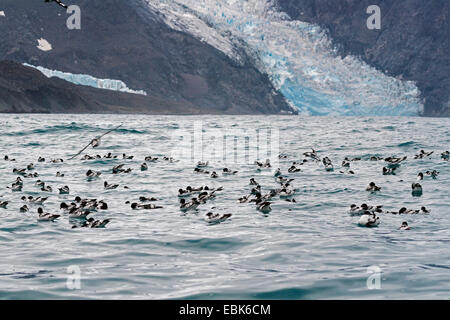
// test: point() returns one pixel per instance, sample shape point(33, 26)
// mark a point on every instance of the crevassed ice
point(298, 57)
point(87, 80)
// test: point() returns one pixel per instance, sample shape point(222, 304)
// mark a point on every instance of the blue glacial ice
point(298, 57)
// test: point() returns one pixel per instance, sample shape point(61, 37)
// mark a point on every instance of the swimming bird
point(404, 210)
point(149, 206)
point(15, 187)
point(118, 169)
point(283, 180)
point(57, 160)
point(46, 216)
point(293, 169)
point(433, 173)
point(202, 164)
point(256, 190)
point(422, 154)
point(108, 186)
point(424, 210)
point(244, 199)
point(404, 226)
point(372, 187)
point(19, 171)
point(204, 196)
point(369, 220)
point(355, 210)
point(144, 199)
point(253, 182)
point(191, 205)
point(372, 209)
point(109, 156)
point(37, 200)
point(46, 188)
point(39, 183)
point(67, 208)
point(328, 164)
point(3, 204)
point(90, 174)
point(170, 159)
point(144, 166)
point(346, 163)
point(7, 158)
point(151, 159)
point(78, 213)
point(445, 155)
point(394, 162)
point(185, 193)
point(226, 171)
point(24, 209)
point(216, 217)
point(401, 211)
point(58, 2)
point(419, 176)
point(214, 175)
point(262, 165)
point(285, 193)
point(41, 159)
point(125, 157)
point(313, 155)
point(92, 223)
point(206, 188)
point(64, 190)
point(198, 170)
point(264, 206)
point(59, 174)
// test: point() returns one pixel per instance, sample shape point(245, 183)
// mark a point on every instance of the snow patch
point(43, 45)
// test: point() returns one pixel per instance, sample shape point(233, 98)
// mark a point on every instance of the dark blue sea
point(310, 249)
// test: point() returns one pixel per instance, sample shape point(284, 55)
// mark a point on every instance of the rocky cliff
point(122, 40)
point(413, 42)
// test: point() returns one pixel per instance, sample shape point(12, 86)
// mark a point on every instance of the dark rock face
point(27, 90)
point(413, 42)
point(120, 39)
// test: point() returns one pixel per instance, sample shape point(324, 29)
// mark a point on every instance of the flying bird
point(96, 141)
point(58, 2)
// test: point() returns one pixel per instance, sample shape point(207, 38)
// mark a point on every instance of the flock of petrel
point(82, 208)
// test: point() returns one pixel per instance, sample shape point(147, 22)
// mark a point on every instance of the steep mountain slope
point(298, 56)
point(124, 40)
point(413, 42)
point(26, 90)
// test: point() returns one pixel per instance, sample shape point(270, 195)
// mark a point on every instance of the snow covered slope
point(87, 80)
point(298, 57)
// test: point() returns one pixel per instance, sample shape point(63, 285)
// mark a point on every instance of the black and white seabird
point(58, 2)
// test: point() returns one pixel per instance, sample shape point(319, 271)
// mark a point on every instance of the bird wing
point(61, 4)
point(110, 131)
point(81, 150)
point(96, 138)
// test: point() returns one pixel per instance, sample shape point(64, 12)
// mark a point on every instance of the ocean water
point(312, 249)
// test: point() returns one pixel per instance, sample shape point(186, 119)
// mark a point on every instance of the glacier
point(298, 57)
point(87, 80)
